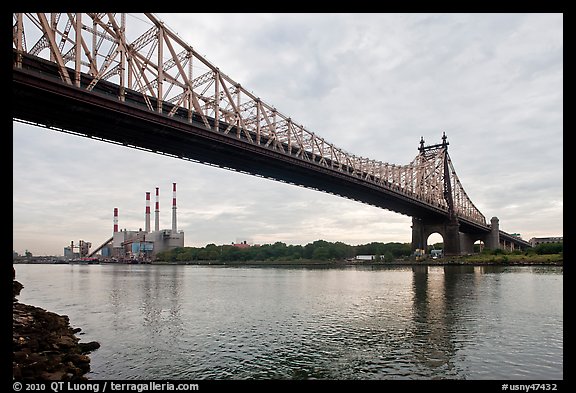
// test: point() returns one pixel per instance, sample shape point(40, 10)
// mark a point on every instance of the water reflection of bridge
point(440, 328)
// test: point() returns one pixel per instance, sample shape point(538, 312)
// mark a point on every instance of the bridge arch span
point(456, 242)
point(435, 237)
point(422, 229)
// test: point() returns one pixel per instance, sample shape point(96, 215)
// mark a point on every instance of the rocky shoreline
point(44, 344)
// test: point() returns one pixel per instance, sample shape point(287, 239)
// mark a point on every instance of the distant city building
point(243, 244)
point(539, 240)
point(70, 254)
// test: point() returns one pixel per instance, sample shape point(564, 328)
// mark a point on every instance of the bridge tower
point(448, 227)
point(443, 177)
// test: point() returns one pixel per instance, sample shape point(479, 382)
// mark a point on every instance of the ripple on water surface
point(190, 322)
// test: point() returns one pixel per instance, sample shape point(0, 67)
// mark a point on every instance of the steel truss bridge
point(140, 85)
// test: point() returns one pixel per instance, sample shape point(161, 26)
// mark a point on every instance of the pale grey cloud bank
point(372, 84)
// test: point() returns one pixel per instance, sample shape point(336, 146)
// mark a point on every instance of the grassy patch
point(506, 259)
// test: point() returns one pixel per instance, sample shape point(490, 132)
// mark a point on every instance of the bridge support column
point(418, 236)
point(452, 238)
point(449, 230)
point(466, 243)
point(493, 238)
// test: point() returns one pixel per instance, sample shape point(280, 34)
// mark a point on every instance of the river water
point(206, 322)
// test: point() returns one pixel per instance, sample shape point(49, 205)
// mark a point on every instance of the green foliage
point(435, 246)
point(321, 253)
point(549, 248)
point(322, 250)
point(388, 256)
point(397, 250)
point(319, 250)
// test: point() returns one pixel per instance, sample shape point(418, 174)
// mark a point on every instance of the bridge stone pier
point(455, 241)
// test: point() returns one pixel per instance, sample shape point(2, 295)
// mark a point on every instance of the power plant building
point(143, 245)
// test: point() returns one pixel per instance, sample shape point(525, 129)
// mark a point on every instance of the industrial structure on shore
point(134, 246)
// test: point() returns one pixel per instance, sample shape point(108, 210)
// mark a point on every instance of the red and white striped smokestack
point(147, 228)
point(174, 207)
point(115, 219)
point(157, 212)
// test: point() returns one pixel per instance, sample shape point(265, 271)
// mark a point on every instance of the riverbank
point(44, 344)
point(470, 260)
point(511, 259)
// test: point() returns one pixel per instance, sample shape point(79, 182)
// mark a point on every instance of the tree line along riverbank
point(322, 252)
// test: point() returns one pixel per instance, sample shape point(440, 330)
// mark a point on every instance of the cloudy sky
point(372, 84)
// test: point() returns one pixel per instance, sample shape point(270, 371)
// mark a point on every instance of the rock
point(16, 288)
point(66, 341)
point(45, 346)
point(20, 356)
point(55, 376)
point(88, 347)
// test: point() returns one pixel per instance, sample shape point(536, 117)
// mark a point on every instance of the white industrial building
point(540, 240)
point(142, 245)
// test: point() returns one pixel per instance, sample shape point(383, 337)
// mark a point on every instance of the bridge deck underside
point(45, 100)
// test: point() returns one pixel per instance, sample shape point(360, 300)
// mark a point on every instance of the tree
point(549, 248)
point(321, 253)
point(319, 250)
